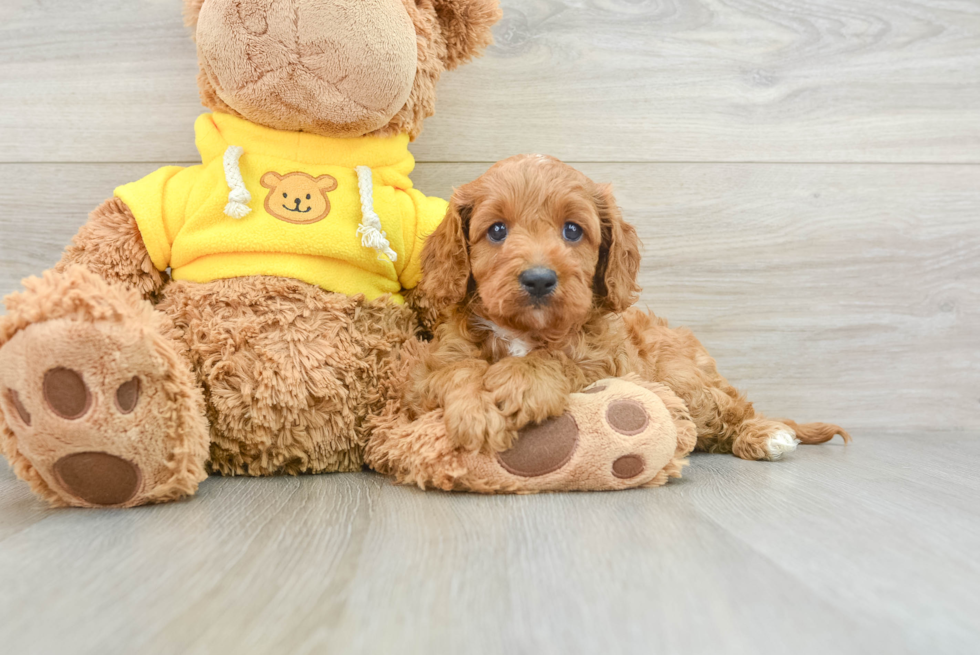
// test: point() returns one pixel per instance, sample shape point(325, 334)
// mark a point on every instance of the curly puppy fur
point(502, 358)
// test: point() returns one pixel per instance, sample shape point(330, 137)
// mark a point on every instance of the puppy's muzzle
point(539, 282)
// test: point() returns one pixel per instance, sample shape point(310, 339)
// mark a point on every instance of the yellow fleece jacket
point(288, 204)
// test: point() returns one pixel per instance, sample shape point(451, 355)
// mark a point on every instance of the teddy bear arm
point(111, 246)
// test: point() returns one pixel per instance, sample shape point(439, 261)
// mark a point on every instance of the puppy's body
point(536, 271)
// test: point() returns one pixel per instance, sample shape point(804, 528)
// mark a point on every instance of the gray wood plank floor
point(868, 548)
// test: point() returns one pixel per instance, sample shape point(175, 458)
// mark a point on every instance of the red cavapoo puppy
point(535, 271)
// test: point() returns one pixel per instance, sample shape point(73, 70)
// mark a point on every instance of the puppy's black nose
point(539, 282)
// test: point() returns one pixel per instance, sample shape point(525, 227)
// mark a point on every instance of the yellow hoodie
point(337, 213)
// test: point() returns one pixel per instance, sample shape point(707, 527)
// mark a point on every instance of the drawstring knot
point(370, 229)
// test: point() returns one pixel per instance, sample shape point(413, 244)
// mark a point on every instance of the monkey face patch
point(297, 197)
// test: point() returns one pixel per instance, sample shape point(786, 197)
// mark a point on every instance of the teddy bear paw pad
point(542, 448)
point(98, 478)
point(614, 435)
point(90, 409)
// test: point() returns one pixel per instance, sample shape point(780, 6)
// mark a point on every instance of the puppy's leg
point(760, 438)
point(725, 419)
point(727, 422)
point(533, 388)
point(472, 417)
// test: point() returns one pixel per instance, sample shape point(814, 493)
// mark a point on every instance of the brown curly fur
point(586, 331)
point(449, 33)
point(290, 372)
point(111, 246)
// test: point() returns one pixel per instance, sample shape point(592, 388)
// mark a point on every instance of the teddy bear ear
point(466, 26)
point(192, 8)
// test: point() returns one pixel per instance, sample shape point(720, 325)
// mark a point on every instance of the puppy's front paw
point(473, 422)
point(523, 400)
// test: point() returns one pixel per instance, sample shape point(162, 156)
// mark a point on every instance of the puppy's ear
point(446, 255)
point(619, 256)
point(466, 27)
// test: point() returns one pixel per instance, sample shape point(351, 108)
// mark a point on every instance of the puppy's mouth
point(297, 210)
point(538, 303)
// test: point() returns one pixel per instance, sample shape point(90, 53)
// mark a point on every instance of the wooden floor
point(869, 548)
point(805, 175)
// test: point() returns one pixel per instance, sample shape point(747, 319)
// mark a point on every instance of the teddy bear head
point(340, 68)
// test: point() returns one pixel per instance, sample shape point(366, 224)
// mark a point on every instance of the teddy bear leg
point(98, 406)
point(292, 371)
point(617, 434)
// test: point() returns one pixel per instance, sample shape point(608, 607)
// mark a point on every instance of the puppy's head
point(535, 246)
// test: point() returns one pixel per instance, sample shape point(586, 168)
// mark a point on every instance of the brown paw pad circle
point(628, 466)
point(98, 478)
point(66, 394)
point(22, 412)
point(542, 448)
point(127, 395)
point(627, 417)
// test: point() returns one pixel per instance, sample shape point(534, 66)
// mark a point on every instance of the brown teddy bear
point(237, 316)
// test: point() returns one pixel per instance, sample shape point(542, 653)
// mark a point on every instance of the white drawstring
point(238, 195)
point(370, 228)
point(372, 236)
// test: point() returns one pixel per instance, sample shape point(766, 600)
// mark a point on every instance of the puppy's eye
point(307, 196)
point(285, 195)
point(572, 232)
point(497, 232)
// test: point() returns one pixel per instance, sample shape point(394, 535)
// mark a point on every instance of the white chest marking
point(516, 346)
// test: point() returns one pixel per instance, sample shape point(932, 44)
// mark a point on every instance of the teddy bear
point(236, 317)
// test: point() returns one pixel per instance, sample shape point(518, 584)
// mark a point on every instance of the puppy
point(534, 272)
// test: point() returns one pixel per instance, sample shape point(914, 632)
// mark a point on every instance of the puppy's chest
point(511, 347)
point(501, 342)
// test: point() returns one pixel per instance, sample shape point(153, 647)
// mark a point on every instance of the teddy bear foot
point(617, 434)
point(100, 414)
